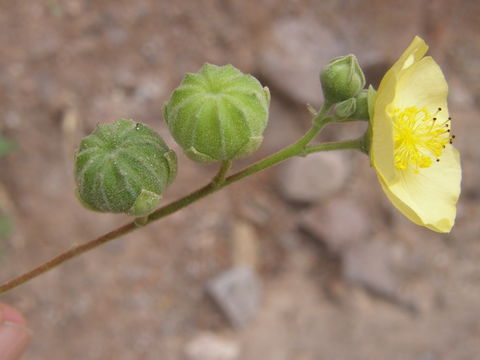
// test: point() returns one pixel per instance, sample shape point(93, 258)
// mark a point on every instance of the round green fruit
point(218, 113)
point(123, 167)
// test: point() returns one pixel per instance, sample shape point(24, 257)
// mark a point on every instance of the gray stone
point(339, 224)
point(209, 346)
point(314, 177)
point(294, 54)
point(237, 293)
point(369, 265)
point(372, 266)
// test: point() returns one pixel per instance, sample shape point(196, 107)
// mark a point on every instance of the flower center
point(419, 137)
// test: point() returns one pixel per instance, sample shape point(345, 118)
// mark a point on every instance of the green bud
point(123, 167)
point(341, 79)
point(361, 111)
point(218, 113)
point(344, 109)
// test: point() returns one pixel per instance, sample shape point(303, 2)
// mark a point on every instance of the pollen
point(419, 137)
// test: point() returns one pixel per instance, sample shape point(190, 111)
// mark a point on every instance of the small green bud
point(218, 113)
point(361, 110)
point(123, 167)
point(344, 109)
point(341, 79)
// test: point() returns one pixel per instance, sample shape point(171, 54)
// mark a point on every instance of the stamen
point(419, 138)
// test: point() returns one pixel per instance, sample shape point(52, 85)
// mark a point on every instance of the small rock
point(371, 265)
point(294, 54)
point(339, 224)
point(237, 293)
point(314, 177)
point(245, 245)
point(148, 90)
point(209, 346)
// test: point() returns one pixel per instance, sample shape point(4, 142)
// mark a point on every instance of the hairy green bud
point(341, 79)
point(123, 167)
point(361, 110)
point(346, 108)
point(218, 113)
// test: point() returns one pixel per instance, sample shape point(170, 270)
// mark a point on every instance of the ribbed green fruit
point(123, 167)
point(218, 113)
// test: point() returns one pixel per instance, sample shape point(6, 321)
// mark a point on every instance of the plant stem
point(222, 172)
point(357, 144)
point(299, 148)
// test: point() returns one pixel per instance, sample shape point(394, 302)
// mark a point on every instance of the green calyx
point(123, 167)
point(345, 109)
point(355, 108)
point(341, 79)
point(218, 113)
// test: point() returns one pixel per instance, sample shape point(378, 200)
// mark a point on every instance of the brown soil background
point(67, 65)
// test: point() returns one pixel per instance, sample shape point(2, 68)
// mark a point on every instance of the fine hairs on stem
point(220, 180)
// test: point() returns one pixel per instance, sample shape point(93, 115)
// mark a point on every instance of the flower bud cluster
point(343, 85)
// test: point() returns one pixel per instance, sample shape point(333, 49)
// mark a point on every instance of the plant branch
point(220, 181)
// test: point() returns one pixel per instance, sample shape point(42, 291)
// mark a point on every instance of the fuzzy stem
point(222, 173)
point(299, 148)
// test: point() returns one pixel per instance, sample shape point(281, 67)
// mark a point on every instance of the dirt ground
point(395, 291)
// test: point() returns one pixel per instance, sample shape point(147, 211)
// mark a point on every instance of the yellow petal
point(381, 148)
point(429, 198)
point(381, 151)
point(423, 85)
point(415, 51)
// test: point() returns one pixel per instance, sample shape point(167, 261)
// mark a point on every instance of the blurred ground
point(342, 277)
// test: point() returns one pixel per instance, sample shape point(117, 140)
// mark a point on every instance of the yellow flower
point(411, 141)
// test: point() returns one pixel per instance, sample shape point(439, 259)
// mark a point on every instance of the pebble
point(245, 245)
point(371, 266)
point(313, 178)
point(339, 224)
point(294, 54)
point(237, 292)
point(208, 346)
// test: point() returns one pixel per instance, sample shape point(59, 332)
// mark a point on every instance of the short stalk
point(222, 173)
point(356, 144)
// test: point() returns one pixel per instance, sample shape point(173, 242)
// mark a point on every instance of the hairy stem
point(222, 173)
point(357, 144)
point(220, 181)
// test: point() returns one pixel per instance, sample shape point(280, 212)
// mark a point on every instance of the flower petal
point(381, 152)
point(429, 198)
point(381, 148)
point(423, 84)
point(415, 51)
